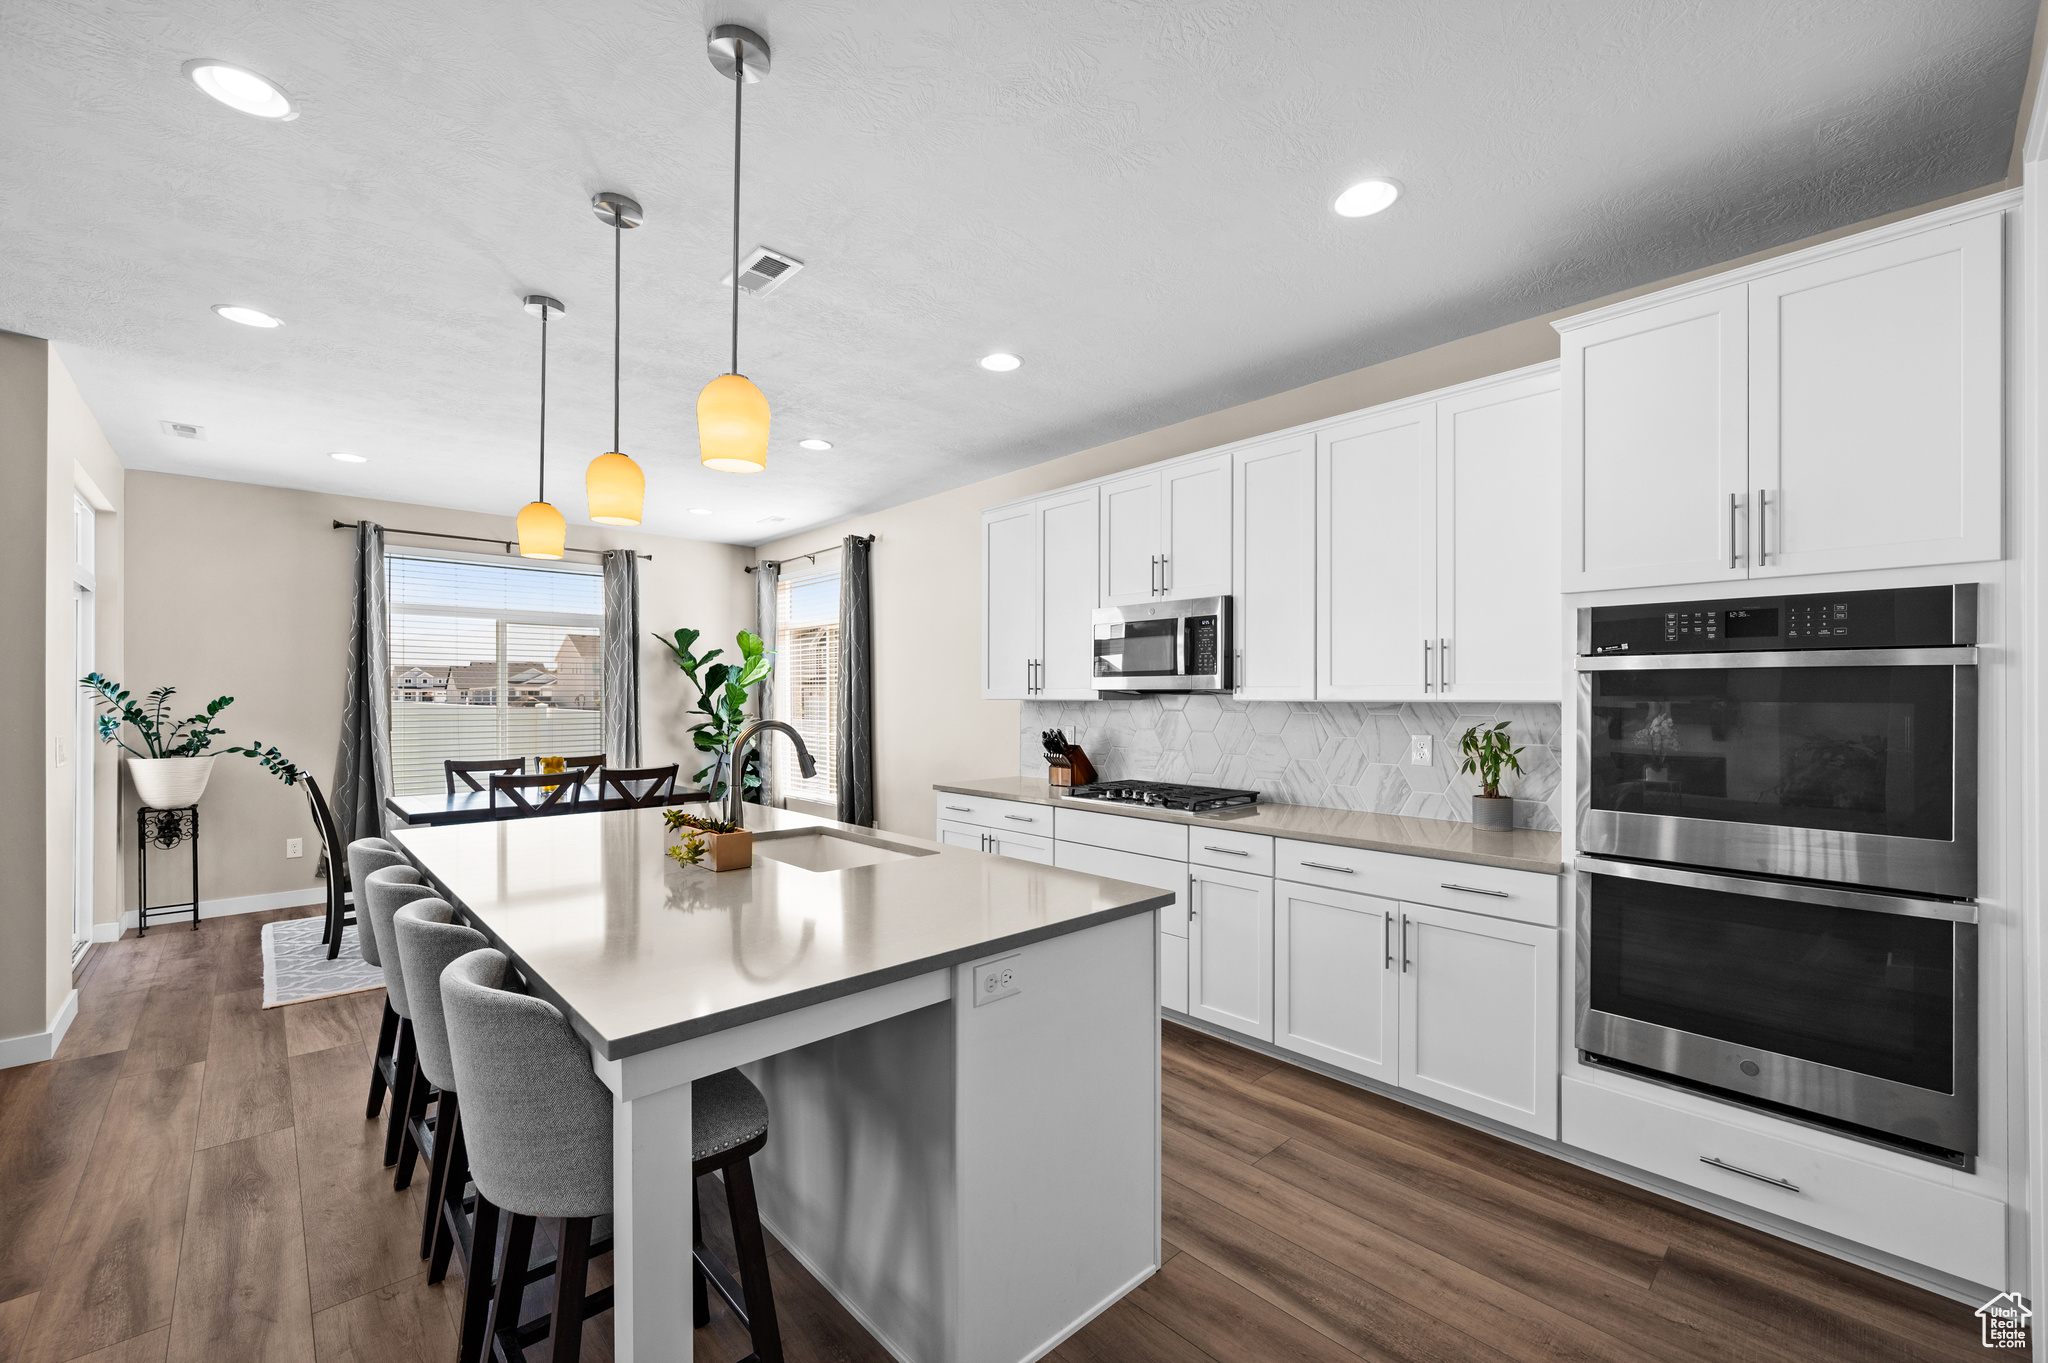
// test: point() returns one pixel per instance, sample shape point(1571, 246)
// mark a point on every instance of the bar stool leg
point(437, 1169)
point(478, 1282)
point(448, 1214)
point(511, 1286)
point(700, 1300)
point(387, 1037)
point(405, 1064)
point(752, 1251)
point(572, 1269)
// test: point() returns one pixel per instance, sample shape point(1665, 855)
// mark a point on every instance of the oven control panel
point(1907, 617)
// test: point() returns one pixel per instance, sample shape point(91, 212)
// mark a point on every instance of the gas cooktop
point(1165, 795)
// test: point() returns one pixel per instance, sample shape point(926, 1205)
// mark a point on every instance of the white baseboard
point(315, 897)
point(40, 1046)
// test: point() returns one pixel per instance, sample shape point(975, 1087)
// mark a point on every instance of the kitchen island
point(973, 1177)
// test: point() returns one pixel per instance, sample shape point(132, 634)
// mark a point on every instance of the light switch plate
point(1419, 750)
point(998, 979)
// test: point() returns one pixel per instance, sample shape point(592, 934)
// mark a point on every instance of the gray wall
point(1334, 754)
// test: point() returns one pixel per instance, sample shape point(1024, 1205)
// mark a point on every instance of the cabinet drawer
point(1147, 837)
point(1234, 851)
point(1521, 895)
point(1154, 871)
point(1011, 816)
point(1924, 1220)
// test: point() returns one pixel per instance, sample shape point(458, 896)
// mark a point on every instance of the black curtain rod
point(812, 555)
point(478, 539)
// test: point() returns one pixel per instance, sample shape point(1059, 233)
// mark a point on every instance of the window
point(490, 659)
point(807, 680)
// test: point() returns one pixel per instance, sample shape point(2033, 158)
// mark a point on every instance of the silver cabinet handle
point(1326, 866)
point(1021, 818)
point(1443, 665)
point(1763, 530)
point(984, 842)
point(1387, 937)
point(960, 809)
point(1425, 666)
point(1474, 889)
point(1226, 851)
point(1749, 1173)
point(1165, 575)
point(1406, 959)
point(1192, 883)
point(1733, 499)
point(1152, 582)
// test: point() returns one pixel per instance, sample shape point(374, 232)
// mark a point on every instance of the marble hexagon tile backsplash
point(1334, 754)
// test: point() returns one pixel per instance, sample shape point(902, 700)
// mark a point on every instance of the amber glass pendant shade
point(616, 488)
point(732, 425)
point(542, 531)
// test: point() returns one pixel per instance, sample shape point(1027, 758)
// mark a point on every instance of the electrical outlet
point(998, 979)
point(295, 847)
point(1418, 750)
point(63, 757)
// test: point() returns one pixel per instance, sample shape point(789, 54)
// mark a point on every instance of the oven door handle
point(1964, 911)
point(1958, 656)
point(1749, 1173)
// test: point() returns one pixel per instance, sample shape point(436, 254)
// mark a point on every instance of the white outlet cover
point(998, 979)
point(295, 847)
point(1419, 750)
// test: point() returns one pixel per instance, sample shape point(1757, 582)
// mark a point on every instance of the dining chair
point(552, 785)
point(618, 783)
point(591, 766)
point(455, 767)
point(339, 896)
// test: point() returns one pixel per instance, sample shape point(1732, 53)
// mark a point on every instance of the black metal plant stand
point(165, 829)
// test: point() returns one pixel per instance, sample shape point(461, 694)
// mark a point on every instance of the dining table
point(474, 806)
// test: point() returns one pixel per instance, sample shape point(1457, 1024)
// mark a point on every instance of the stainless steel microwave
point(1165, 646)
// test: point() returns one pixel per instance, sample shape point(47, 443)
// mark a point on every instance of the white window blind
point(490, 659)
point(807, 680)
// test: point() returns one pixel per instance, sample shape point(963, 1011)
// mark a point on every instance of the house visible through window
point(490, 659)
point(807, 680)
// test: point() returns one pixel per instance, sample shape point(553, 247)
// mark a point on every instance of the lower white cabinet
point(1479, 1014)
point(1230, 950)
point(963, 835)
point(1336, 995)
point(1023, 846)
point(1173, 972)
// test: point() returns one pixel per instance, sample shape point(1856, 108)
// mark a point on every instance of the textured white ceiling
point(1132, 194)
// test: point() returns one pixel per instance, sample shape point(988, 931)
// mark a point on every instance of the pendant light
point(542, 530)
point(732, 414)
point(615, 484)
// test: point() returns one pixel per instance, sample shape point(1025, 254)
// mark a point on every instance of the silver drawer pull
point(1325, 866)
point(1474, 889)
point(1226, 851)
point(1021, 818)
point(960, 809)
point(1746, 1173)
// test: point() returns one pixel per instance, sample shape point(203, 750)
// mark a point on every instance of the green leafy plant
point(722, 692)
point(162, 737)
point(678, 819)
point(688, 852)
point(1487, 754)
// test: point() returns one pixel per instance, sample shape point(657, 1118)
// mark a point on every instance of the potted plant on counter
point(709, 842)
point(171, 768)
point(1487, 754)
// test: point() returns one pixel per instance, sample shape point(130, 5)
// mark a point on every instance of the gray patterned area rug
point(296, 968)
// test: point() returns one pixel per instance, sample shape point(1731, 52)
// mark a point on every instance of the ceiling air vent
point(183, 431)
point(763, 271)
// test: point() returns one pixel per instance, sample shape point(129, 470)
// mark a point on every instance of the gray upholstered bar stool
point(538, 1128)
point(367, 856)
point(428, 939)
point(384, 894)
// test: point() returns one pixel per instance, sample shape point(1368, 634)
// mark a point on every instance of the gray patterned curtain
point(767, 578)
point(856, 685)
point(362, 768)
point(621, 680)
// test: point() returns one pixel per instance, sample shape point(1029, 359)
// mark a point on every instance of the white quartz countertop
point(1515, 849)
point(640, 952)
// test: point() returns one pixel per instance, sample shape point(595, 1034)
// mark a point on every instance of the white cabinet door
point(1376, 556)
point(1009, 602)
point(1195, 534)
point(1274, 552)
point(963, 835)
point(1497, 539)
point(1022, 846)
point(1230, 950)
point(1876, 405)
point(1173, 973)
point(1479, 1014)
point(1656, 445)
point(1335, 991)
point(1130, 539)
point(1140, 870)
point(1068, 582)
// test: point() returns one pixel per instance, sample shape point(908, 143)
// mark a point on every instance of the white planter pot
point(170, 782)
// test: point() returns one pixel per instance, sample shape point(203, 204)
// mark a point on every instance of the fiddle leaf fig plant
point(1488, 753)
point(722, 692)
point(163, 737)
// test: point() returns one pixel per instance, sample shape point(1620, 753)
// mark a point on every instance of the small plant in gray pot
point(1488, 753)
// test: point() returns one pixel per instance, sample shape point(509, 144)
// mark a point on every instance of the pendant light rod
point(542, 306)
point(739, 89)
point(618, 311)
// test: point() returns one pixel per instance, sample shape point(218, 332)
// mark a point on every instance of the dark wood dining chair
point(590, 766)
point(551, 786)
point(455, 767)
point(618, 783)
point(336, 852)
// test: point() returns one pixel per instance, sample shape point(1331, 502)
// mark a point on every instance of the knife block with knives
point(1066, 764)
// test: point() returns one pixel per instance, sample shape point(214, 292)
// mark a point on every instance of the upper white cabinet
point(1376, 556)
point(1039, 574)
point(1166, 532)
point(1836, 410)
point(1274, 552)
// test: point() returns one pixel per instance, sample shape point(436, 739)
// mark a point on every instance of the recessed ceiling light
point(1000, 362)
point(700, 511)
point(345, 457)
point(815, 444)
point(248, 317)
point(240, 88)
point(1366, 198)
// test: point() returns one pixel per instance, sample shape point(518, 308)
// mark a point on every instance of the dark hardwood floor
point(192, 1179)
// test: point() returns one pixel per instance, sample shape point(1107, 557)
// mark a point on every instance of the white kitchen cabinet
point(1875, 405)
point(1230, 950)
point(1165, 532)
point(1023, 846)
point(1274, 553)
point(1173, 973)
point(963, 835)
point(1009, 601)
point(1479, 1014)
point(1375, 582)
point(1336, 993)
point(1039, 579)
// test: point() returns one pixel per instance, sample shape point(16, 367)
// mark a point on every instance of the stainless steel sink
point(830, 849)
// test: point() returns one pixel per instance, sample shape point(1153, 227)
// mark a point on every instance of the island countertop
point(640, 952)
point(1514, 849)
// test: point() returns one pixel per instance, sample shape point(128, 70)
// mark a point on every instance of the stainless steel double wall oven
point(1778, 856)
